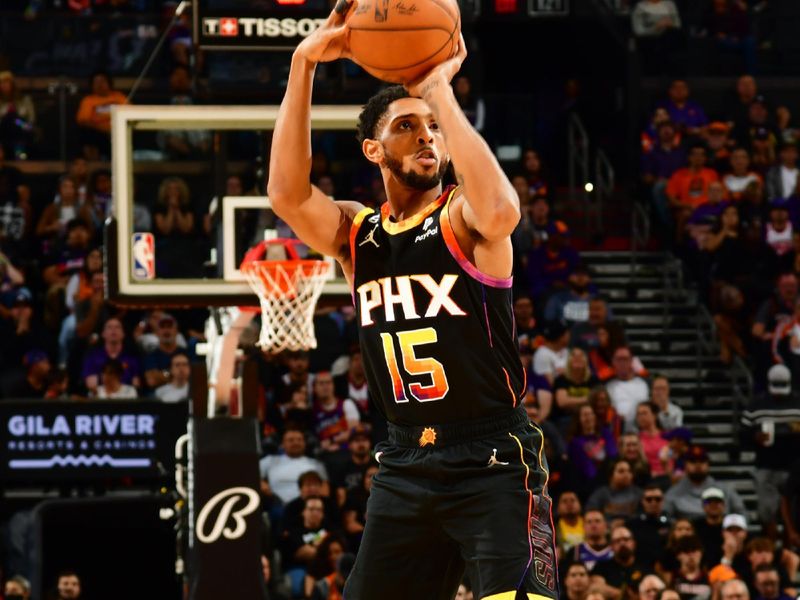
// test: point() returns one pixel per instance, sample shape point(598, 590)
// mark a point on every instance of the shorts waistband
point(449, 434)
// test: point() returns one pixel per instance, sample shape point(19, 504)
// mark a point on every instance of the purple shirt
point(690, 116)
point(706, 214)
point(545, 270)
point(661, 163)
point(96, 359)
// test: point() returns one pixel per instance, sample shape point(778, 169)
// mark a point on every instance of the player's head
point(399, 134)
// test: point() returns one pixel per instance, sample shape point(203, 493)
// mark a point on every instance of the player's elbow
point(501, 222)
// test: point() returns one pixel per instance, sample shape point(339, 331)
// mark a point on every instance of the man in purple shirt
point(113, 336)
point(550, 265)
point(658, 166)
point(686, 114)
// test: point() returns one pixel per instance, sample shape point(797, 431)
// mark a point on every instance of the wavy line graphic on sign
point(80, 461)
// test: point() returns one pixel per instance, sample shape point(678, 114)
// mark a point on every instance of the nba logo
point(143, 256)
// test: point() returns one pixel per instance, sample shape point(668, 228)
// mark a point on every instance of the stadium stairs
point(672, 335)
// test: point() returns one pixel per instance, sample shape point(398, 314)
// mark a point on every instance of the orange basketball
point(400, 40)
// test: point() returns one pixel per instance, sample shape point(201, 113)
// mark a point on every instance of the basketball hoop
point(288, 291)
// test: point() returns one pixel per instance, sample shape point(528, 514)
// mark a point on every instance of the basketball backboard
point(197, 263)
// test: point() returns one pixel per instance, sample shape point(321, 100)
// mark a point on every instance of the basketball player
point(462, 480)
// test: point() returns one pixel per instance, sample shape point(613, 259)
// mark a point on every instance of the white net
point(288, 292)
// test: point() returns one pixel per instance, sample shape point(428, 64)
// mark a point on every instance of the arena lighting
point(589, 187)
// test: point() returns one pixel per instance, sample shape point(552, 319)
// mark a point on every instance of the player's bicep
point(321, 223)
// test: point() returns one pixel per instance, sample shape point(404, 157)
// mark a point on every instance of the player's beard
point(412, 179)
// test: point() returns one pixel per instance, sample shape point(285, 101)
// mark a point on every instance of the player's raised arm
point(492, 205)
point(320, 223)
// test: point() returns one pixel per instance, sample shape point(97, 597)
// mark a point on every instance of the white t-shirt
point(282, 473)
point(169, 392)
point(626, 396)
point(125, 392)
point(789, 179)
point(646, 15)
point(547, 362)
point(737, 184)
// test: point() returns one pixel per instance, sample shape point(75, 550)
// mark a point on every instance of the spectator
point(740, 175)
point(79, 289)
point(19, 588)
point(649, 136)
point(471, 104)
point(332, 586)
point(632, 451)
point(157, 362)
point(763, 148)
point(709, 526)
point(771, 424)
point(550, 358)
point(684, 498)
point(783, 119)
point(334, 417)
point(527, 331)
point(146, 332)
point(761, 551)
point(302, 543)
point(464, 591)
point(17, 118)
point(69, 586)
point(651, 588)
point(355, 508)
point(63, 259)
point(310, 485)
point(656, 23)
point(668, 564)
point(667, 157)
point(670, 415)
point(20, 331)
point(779, 235)
point(572, 304)
point(627, 390)
point(595, 547)
point(347, 476)
point(746, 93)
point(790, 505)
point(727, 23)
point(782, 178)
point(688, 187)
point(178, 387)
point(16, 213)
point(650, 527)
point(111, 387)
point(590, 447)
point(718, 145)
point(734, 589)
point(94, 116)
point(280, 473)
point(768, 584)
point(621, 575)
point(112, 348)
point(654, 446)
point(183, 143)
point(537, 182)
point(576, 582)
point(687, 115)
point(524, 238)
point(703, 219)
point(679, 440)
point(572, 388)
point(691, 580)
point(550, 265)
point(604, 411)
point(98, 198)
point(65, 208)
point(174, 227)
point(620, 497)
point(353, 384)
point(297, 365)
point(34, 384)
point(756, 124)
point(569, 526)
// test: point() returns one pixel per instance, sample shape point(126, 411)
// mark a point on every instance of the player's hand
point(441, 74)
point(329, 42)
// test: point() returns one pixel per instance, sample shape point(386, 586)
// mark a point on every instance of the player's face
point(413, 145)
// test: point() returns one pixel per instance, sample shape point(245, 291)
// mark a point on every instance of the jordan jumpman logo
point(493, 459)
point(371, 237)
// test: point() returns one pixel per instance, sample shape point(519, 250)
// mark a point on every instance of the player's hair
point(374, 110)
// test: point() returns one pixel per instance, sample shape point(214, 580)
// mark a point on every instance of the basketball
point(399, 41)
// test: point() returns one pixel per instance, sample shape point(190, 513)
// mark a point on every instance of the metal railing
point(640, 236)
point(742, 386)
point(604, 182)
point(578, 158)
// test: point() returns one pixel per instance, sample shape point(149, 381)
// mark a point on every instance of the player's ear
point(373, 150)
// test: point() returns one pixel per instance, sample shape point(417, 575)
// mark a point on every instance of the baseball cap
point(697, 454)
point(779, 380)
point(359, 431)
point(166, 320)
point(33, 357)
point(713, 493)
point(553, 330)
point(718, 127)
point(557, 228)
point(681, 433)
point(734, 520)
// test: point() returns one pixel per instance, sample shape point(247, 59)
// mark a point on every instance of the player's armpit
point(321, 223)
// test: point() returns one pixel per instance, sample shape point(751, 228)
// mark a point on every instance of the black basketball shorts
point(459, 497)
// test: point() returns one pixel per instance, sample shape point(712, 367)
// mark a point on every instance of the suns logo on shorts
point(542, 539)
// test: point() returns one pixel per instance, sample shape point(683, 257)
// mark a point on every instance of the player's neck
point(405, 202)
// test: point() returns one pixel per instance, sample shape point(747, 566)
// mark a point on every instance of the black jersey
point(437, 335)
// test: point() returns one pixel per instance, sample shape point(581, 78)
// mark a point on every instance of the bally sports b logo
point(229, 498)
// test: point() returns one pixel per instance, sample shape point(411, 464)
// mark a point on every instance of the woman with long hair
point(654, 446)
point(329, 551)
point(17, 118)
point(572, 387)
point(668, 563)
point(590, 446)
point(607, 416)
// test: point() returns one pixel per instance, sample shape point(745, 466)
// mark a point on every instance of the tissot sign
point(275, 24)
point(43, 441)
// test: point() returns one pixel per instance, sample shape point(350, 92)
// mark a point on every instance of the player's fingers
point(341, 9)
point(462, 47)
